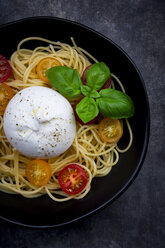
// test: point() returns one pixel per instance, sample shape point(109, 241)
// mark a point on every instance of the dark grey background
point(137, 218)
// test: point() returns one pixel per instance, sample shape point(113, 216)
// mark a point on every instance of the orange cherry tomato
point(38, 172)
point(72, 179)
point(6, 93)
point(110, 130)
point(44, 65)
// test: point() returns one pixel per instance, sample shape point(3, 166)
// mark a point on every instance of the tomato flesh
point(72, 179)
point(5, 69)
point(110, 130)
point(6, 93)
point(44, 65)
point(38, 172)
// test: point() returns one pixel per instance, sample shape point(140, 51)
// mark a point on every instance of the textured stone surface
point(137, 218)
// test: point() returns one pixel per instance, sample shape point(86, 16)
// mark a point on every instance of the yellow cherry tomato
point(110, 130)
point(38, 172)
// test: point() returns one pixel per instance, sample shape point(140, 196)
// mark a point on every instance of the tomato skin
point(38, 172)
point(84, 74)
point(107, 84)
point(110, 130)
point(43, 65)
point(72, 179)
point(5, 69)
point(6, 93)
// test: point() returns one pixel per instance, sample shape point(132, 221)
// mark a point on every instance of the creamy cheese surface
point(39, 122)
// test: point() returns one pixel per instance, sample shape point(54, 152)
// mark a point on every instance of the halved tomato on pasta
point(5, 69)
point(44, 65)
point(6, 93)
point(72, 179)
point(110, 130)
point(38, 172)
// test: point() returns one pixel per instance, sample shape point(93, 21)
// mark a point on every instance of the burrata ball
point(39, 122)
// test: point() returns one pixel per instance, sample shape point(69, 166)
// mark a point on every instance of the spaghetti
point(87, 150)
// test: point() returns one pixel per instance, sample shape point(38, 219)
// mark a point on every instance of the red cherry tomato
point(105, 86)
point(84, 74)
point(5, 69)
point(72, 179)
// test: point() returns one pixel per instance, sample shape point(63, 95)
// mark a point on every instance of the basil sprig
point(87, 91)
point(110, 102)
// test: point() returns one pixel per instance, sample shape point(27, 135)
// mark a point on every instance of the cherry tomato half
point(5, 69)
point(84, 74)
point(107, 84)
point(72, 179)
point(110, 130)
point(38, 172)
point(6, 93)
point(44, 65)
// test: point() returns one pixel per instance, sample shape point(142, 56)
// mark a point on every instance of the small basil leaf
point(97, 75)
point(66, 80)
point(87, 109)
point(94, 94)
point(87, 91)
point(115, 104)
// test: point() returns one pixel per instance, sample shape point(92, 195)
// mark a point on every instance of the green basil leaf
point(87, 109)
point(94, 94)
point(115, 104)
point(87, 91)
point(97, 75)
point(66, 80)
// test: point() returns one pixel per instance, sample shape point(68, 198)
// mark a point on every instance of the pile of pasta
point(88, 150)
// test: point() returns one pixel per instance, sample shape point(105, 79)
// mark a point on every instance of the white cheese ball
point(39, 122)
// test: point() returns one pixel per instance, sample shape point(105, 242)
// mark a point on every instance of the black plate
point(42, 211)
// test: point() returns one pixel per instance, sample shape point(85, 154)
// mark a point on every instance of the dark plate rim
point(147, 129)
